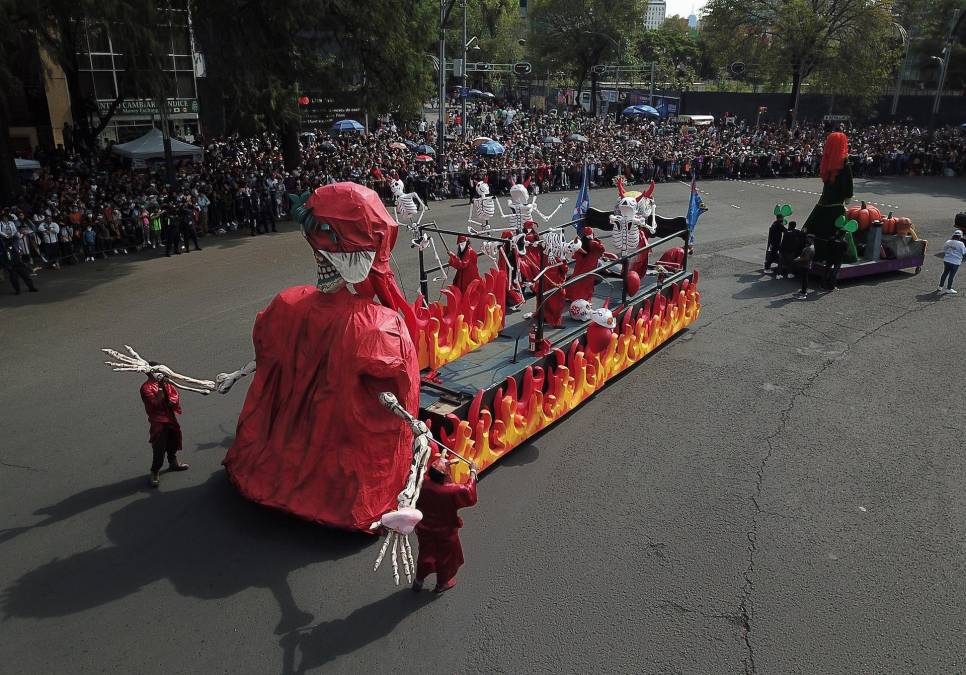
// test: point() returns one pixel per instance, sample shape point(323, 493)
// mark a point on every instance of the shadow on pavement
point(319, 644)
point(764, 286)
point(78, 278)
point(206, 540)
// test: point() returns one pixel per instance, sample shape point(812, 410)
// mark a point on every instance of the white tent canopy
point(151, 146)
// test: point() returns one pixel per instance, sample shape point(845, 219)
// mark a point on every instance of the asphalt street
point(779, 490)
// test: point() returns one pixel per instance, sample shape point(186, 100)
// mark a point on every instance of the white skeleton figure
point(483, 207)
point(523, 206)
point(408, 208)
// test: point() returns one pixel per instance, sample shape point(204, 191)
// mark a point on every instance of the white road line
point(809, 192)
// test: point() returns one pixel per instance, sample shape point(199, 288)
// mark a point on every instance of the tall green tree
point(674, 51)
point(791, 41)
point(576, 35)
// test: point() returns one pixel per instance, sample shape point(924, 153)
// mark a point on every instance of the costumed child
point(440, 551)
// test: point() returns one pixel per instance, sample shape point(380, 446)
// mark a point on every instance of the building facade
point(102, 78)
point(654, 14)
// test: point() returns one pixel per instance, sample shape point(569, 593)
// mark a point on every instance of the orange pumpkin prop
point(863, 215)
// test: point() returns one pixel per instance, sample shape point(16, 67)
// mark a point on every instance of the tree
point(793, 40)
point(577, 35)
point(15, 19)
point(674, 51)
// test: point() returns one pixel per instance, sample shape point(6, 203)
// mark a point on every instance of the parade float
point(873, 244)
point(353, 383)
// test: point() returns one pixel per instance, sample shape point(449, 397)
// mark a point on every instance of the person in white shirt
point(49, 232)
point(954, 250)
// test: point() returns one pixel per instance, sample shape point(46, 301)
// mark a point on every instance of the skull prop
point(482, 189)
point(580, 310)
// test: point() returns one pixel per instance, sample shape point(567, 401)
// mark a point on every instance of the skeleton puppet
point(483, 207)
point(312, 438)
point(630, 224)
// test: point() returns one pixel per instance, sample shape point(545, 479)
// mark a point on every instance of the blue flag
point(583, 200)
point(695, 208)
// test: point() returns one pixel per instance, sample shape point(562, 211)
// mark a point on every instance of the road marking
point(808, 192)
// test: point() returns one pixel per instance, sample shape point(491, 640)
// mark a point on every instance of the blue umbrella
point(424, 150)
point(490, 149)
point(644, 110)
point(346, 125)
point(963, 125)
point(488, 94)
point(474, 93)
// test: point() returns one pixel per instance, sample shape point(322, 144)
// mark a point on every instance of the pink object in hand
point(403, 520)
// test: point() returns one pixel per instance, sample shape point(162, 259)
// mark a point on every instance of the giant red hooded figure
point(312, 437)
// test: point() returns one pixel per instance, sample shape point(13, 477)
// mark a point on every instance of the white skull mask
point(603, 317)
point(397, 188)
point(519, 194)
point(581, 310)
point(483, 189)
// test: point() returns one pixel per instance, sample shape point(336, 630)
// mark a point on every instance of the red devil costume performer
point(554, 306)
point(586, 258)
point(162, 404)
point(438, 532)
point(312, 437)
point(464, 261)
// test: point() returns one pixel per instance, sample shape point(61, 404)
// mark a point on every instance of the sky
point(683, 7)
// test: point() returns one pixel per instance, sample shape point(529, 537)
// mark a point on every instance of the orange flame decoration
point(519, 413)
point(465, 322)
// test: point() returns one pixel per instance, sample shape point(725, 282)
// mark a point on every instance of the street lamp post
point(441, 140)
point(902, 66)
point(947, 53)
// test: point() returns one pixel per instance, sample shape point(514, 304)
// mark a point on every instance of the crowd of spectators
point(85, 207)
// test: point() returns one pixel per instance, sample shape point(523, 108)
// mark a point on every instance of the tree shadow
point(77, 279)
point(207, 540)
point(320, 644)
point(224, 443)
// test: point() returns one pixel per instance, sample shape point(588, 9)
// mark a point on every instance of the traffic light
point(484, 66)
point(522, 68)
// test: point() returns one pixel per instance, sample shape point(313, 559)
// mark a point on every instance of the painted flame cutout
point(520, 411)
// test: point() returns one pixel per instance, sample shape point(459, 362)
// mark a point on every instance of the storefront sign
point(147, 106)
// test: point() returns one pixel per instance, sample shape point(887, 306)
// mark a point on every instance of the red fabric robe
point(161, 412)
point(513, 294)
point(585, 259)
point(438, 532)
point(312, 437)
point(466, 266)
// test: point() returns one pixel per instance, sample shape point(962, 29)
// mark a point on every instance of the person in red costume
point(162, 404)
point(554, 306)
point(464, 261)
point(639, 263)
point(586, 258)
point(514, 295)
point(440, 551)
point(312, 437)
point(530, 261)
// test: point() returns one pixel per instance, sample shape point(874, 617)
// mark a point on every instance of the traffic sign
point(598, 69)
point(522, 68)
point(737, 68)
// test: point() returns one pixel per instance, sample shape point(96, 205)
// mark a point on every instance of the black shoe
point(33, 289)
point(17, 292)
point(167, 255)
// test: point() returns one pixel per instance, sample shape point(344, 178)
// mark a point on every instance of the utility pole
point(652, 85)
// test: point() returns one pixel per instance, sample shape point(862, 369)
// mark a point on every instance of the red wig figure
point(836, 188)
point(834, 154)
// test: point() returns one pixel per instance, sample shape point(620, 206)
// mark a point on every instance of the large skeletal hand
point(132, 362)
point(225, 381)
